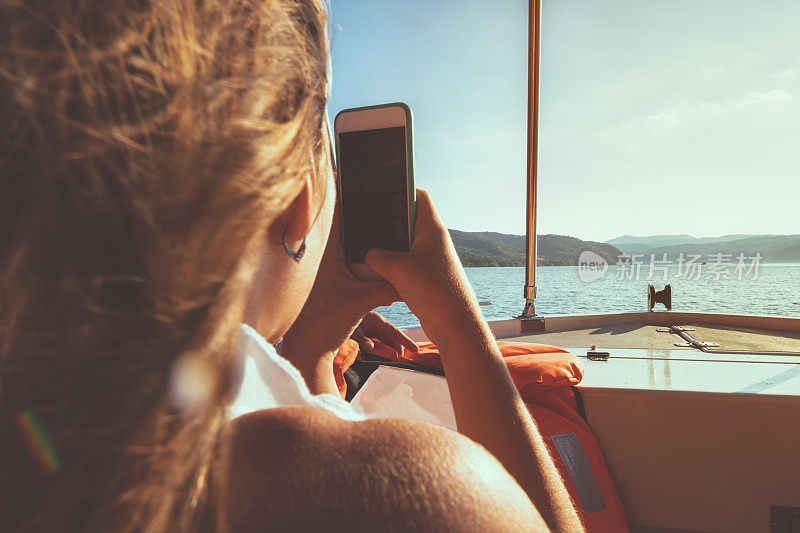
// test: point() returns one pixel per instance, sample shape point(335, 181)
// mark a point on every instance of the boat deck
point(647, 357)
point(637, 335)
point(746, 355)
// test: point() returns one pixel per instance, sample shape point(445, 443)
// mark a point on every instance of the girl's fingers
point(395, 336)
point(364, 342)
point(358, 335)
point(383, 262)
point(401, 339)
point(366, 345)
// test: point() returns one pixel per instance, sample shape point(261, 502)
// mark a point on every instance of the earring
point(298, 255)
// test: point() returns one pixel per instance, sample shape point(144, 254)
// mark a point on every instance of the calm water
point(775, 291)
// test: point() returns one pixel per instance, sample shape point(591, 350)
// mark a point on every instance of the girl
point(165, 177)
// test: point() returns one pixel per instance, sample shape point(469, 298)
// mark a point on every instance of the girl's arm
point(487, 406)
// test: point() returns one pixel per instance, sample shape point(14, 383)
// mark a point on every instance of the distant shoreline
point(491, 249)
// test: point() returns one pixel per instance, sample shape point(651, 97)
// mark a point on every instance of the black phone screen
point(374, 190)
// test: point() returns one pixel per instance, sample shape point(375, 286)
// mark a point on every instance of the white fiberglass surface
point(398, 393)
point(683, 371)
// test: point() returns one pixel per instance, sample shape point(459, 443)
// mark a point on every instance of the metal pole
point(534, 15)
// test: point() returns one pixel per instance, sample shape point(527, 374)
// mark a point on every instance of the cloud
point(786, 75)
point(777, 96)
point(663, 120)
point(695, 112)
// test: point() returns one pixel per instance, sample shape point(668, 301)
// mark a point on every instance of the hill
point(631, 244)
point(773, 248)
point(501, 249)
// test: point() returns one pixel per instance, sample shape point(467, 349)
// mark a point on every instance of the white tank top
point(266, 380)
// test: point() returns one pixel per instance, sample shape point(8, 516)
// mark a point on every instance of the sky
point(655, 117)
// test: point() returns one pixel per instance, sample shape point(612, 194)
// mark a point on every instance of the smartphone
point(375, 182)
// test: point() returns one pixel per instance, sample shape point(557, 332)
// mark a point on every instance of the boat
point(697, 413)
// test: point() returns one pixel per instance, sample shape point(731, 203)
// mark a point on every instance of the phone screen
point(374, 190)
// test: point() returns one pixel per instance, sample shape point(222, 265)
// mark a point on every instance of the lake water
point(773, 290)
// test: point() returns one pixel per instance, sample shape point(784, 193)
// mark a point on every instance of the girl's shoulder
point(301, 468)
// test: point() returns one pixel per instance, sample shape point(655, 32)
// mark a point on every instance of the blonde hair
point(146, 148)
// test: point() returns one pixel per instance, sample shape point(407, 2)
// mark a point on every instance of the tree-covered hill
point(500, 249)
point(772, 248)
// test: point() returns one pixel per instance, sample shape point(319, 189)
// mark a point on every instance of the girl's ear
point(299, 215)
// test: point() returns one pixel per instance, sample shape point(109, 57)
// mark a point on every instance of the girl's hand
point(374, 326)
point(429, 278)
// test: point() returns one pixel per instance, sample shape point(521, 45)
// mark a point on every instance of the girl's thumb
point(379, 293)
point(382, 262)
